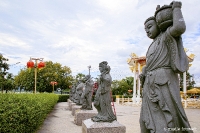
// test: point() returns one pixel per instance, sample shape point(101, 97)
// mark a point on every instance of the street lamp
point(14, 64)
point(89, 67)
point(53, 83)
point(31, 64)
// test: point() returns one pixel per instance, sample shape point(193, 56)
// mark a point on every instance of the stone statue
point(102, 100)
point(79, 91)
point(161, 109)
point(72, 91)
point(87, 93)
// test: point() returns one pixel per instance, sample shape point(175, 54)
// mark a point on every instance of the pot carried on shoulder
point(164, 16)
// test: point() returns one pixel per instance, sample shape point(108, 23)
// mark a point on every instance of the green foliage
point(51, 72)
point(3, 65)
point(9, 82)
point(79, 76)
point(189, 81)
point(121, 87)
point(63, 98)
point(24, 112)
point(114, 98)
point(127, 96)
point(3, 71)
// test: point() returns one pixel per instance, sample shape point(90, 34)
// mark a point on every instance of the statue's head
point(164, 17)
point(151, 27)
point(104, 67)
point(87, 77)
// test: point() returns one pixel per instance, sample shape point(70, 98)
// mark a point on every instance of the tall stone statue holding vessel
point(162, 109)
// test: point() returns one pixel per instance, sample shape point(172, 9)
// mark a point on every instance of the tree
point(9, 82)
point(79, 76)
point(189, 81)
point(121, 87)
point(51, 72)
point(3, 70)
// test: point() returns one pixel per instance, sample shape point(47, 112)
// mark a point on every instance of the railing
point(191, 103)
point(123, 100)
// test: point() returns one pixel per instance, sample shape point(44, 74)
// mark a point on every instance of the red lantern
point(41, 64)
point(130, 91)
point(30, 64)
point(53, 83)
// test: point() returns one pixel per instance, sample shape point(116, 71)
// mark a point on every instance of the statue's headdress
point(150, 18)
point(105, 65)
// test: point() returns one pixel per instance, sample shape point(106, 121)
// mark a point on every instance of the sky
point(80, 33)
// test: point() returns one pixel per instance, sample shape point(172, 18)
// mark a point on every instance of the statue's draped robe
point(72, 92)
point(102, 101)
point(87, 95)
point(79, 91)
point(162, 109)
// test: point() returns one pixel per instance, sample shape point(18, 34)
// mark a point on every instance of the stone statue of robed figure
point(87, 93)
point(162, 110)
point(79, 91)
point(102, 100)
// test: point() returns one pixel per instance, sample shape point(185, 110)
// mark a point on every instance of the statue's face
point(152, 29)
point(101, 68)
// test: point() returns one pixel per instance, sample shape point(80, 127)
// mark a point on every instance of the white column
point(184, 83)
point(184, 88)
point(138, 84)
point(134, 86)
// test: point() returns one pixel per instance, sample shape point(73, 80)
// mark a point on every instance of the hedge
point(24, 113)
point(63, 97)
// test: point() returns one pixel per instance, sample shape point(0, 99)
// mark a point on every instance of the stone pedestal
point(74, 108)
point(88, 126)
point(71, 105)
point(81, 115)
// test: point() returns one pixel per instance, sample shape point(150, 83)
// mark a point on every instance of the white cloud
point(9, 40)
point(82, 33)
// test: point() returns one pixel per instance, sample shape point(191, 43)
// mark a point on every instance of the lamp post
point(14, 64)
point(53, 83)
point(31, 64)
point(89, 67)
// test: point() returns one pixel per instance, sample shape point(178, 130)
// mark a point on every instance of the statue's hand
point(176, 4)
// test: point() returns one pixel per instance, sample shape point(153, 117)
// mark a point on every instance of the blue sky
point(79, 33)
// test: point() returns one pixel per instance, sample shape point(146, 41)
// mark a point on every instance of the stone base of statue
point(88, 126)
point(75, 108)
point(81, 115)
point(71, 105)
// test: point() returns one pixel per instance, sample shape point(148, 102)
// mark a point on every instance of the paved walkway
point(60, 119)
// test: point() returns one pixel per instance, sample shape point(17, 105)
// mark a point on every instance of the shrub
point(114, 98)
point(24, 112)
point(63, 98)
